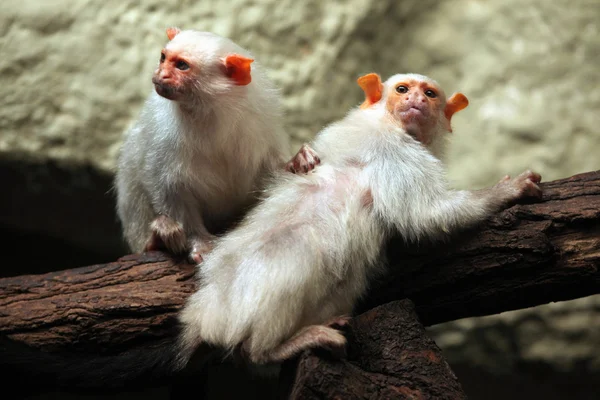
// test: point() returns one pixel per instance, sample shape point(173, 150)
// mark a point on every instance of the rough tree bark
point(527, 255)
point(389, 357)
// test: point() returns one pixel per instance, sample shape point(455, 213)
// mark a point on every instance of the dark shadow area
point(527, 382)
point(40, 254)
point(57, 216)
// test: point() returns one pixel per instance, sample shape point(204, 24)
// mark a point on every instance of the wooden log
point(389, 357)
point(97, 309)
point(527, 255)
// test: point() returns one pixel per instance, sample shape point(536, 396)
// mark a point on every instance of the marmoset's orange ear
point(172, 32)
point(237, 67)
point(371, 85)
point(454, 104)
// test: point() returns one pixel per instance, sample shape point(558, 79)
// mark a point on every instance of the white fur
point(306, 252)
point(200, 161)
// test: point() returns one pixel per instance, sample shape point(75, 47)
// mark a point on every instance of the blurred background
point(74, 74)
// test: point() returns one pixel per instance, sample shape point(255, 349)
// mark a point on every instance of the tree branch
point(527, 255)
point(389, 356)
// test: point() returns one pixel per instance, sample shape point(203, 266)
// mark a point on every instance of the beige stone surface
point(74, 73)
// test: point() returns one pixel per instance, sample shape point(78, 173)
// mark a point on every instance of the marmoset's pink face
point(414, 101)
point(180, 70)
point(174, 74)
point(418, 105)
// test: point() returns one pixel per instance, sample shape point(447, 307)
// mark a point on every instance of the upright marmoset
point(204, 142)
point(300, 260)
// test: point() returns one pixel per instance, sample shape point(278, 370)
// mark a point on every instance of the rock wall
point(550, 351)
point(74, 74)
point(78, 71)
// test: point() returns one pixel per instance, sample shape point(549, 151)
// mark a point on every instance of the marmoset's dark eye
point(430, 93)
point(182, 65)
point(162, 57)
point(401, 89)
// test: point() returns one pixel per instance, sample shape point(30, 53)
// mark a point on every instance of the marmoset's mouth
point(413, 112)
point(166, 91)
